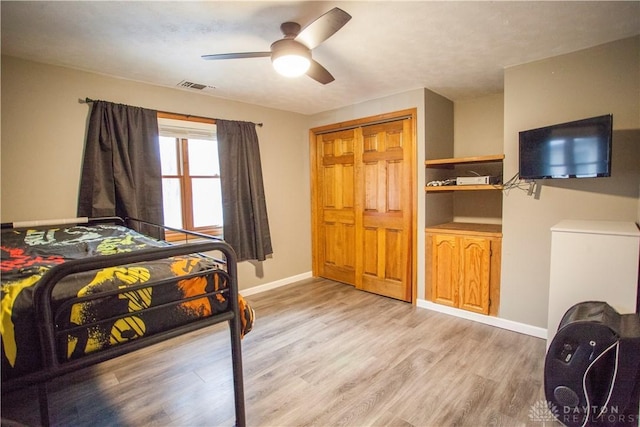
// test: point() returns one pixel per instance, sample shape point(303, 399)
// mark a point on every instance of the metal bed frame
point(49, 331)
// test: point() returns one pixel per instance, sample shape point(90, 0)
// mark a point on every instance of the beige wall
point(478, 126)
point(600, 80)
point(43, 131)
point(439, 118)
point(478, 130)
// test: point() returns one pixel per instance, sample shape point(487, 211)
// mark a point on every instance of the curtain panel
point(246, 226)
point(121, 173)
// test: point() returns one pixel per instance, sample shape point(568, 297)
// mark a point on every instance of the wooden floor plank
point(321, 354)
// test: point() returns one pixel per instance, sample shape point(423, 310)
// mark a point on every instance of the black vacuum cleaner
point(592, 367)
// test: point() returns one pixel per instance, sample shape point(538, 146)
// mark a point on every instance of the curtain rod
point(89, 101)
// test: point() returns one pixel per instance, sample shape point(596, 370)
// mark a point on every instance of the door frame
point(365, 121)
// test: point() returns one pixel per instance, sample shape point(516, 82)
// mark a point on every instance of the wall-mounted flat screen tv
point(578, 149)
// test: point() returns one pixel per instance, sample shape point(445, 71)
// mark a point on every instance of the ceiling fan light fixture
point(290, 58)
point(291, 65)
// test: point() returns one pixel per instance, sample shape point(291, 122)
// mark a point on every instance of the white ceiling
point(457, 49)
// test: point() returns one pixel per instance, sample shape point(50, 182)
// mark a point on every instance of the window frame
point(185, 180)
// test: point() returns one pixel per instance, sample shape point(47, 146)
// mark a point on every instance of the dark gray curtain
point(121, 173)
point(246, 226)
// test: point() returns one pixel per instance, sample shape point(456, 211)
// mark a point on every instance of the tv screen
point(578, 149)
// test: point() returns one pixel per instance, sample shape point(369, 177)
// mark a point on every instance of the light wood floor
point(321, 354)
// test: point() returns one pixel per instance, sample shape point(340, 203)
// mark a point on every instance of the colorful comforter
point(27, 254)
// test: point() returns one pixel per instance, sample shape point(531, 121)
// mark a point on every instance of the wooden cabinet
point(463, 266)
point(463, 258)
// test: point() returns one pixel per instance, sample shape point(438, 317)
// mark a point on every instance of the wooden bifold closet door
point(362, 183)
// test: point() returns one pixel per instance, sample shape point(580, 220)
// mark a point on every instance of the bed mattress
point(133, 311)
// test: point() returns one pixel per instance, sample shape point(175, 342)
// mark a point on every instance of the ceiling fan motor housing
point(290, 29)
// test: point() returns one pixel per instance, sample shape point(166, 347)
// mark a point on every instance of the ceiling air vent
point(195, 86)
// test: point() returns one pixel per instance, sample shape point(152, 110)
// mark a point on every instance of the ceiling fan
point(291, 55)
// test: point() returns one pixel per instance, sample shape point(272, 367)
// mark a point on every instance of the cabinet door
point(444, 267)
point(475, 264)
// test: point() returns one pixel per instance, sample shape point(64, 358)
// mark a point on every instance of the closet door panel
point(387, 209)
point(393, 249)
point(329, 187)
point(336, 190)
point(347, 190)
point(370, 250)
point(394, 185)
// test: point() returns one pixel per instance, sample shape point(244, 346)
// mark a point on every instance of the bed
point(84, 292)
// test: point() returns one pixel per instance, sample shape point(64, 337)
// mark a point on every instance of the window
point(190, 177)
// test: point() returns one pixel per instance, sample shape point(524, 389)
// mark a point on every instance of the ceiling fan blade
point(237, 55)
point(318, 73)
point(323, 27)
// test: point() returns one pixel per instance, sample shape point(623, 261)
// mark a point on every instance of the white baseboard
point(276, 284)
point(498, 322)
